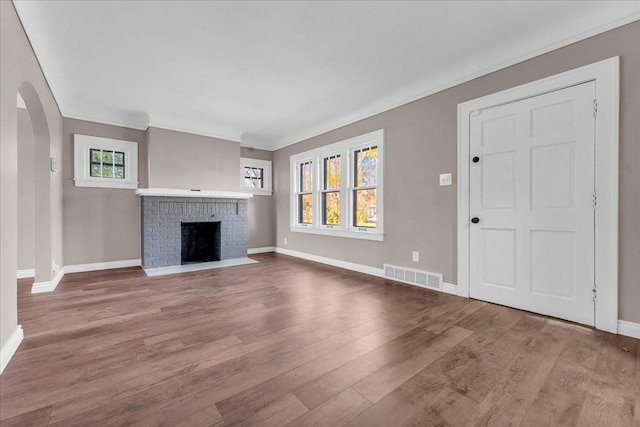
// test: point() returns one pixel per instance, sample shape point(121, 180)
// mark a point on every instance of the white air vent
point(420, 278)
point(388, 271)
point(434, 281)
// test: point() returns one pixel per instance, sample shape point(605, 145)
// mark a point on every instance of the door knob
point(475, 220)
point(476, 159)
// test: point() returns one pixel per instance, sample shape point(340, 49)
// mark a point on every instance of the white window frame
point(343, 192)
point(346, 151)
point(265, 165)
point(296, 192)
point(82, 144)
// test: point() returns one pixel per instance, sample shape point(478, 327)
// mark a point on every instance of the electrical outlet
point(445, 179)
point(285, 240)
point(415, 256)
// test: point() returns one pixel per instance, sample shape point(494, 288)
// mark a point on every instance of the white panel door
point(531, 192)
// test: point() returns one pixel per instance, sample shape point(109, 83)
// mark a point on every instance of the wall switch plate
point(445, 179)
point(415, 256)
point(53, 164)
point(285, 240)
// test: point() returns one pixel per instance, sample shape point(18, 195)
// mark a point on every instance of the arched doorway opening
point(41, 185)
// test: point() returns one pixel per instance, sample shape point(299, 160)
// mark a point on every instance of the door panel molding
point(606, 76)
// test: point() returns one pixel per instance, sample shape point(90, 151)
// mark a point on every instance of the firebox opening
point(200, 242)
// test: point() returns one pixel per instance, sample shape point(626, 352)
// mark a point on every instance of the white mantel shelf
point(176, 192)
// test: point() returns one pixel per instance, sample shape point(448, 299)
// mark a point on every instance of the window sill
point(256, 192)
point(105, 183)
point(364, 235)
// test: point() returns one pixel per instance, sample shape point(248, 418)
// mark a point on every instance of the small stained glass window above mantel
point(105, 162)
point(255, 176)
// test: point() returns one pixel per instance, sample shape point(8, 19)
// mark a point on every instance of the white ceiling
point(272, 73)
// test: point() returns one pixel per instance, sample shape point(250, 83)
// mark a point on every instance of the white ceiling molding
point(269, 74)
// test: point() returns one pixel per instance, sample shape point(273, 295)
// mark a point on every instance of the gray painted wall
point(19, 68)
point(187, 161)
point(93, 230)
point(262, 214)
point(26, 205)
point(420, 143)
point(93, 233)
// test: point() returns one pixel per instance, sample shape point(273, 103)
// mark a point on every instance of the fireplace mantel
point(176, 192)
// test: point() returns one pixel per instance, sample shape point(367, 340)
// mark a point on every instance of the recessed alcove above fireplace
point(215, 222)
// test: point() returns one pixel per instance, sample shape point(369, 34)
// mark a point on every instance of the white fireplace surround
point(177, 192)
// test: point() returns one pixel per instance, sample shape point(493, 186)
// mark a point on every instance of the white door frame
point(606, 74)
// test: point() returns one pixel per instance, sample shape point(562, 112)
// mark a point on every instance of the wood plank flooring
point(291, 342)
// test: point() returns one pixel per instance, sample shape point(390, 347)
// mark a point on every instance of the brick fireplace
point(167, 213)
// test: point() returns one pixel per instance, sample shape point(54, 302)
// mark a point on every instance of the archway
point(42, 184)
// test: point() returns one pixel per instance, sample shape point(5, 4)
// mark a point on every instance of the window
point(331, 191)
point(337, 189)
point(255, 176)
point(365, 178)
point(305, 193)
point(104, 162)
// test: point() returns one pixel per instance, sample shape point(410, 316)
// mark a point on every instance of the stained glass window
point(106, 164)
point(366, 167)
point(253, 177)
point(305, 197)
point(331, 191)
point(365, 181)
point(306, 176)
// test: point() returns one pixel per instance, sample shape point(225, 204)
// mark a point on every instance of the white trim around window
point(264, 180)
point(82, 146)
point(346, 189)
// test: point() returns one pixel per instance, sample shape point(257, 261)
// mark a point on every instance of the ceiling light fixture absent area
point(271, 70)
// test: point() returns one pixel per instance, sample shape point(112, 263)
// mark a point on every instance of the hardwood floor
point(291, 342)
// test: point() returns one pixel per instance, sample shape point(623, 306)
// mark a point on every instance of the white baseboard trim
point(9, 348)
point(251, 251)
point(25, 274)
point(629, 329)
point(449, 288)
point(40, 287)
point(81, 268)
point(334, 262)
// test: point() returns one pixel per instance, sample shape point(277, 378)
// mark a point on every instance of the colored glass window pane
point(95, 156)
point(306, 177)
point(332, 173)
point(253, 177)
point(366, 167)
point(118, 172)
point(331, 208)
point(107, 171)
point(107, 157)
point(365, 214)
point(96, 170)
point(305, 201)
point(118, 158)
